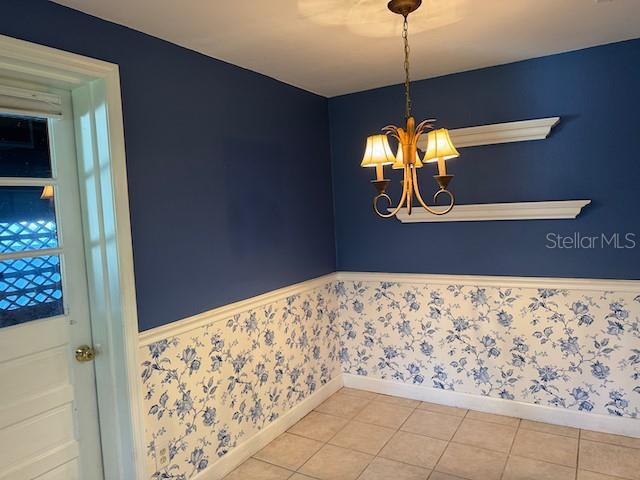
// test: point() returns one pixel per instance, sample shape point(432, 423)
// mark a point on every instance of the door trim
point(95, 88)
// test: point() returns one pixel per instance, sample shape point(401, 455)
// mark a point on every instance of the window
point(30, 277)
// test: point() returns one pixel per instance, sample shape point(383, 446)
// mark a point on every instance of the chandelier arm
point(407, 173)
point(425, 124)
point(423, 203)
point(392, 131)
point(388, 198)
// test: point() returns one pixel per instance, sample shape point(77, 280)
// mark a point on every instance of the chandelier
point(378, 152)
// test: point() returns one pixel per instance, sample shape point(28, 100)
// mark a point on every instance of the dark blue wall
point(593, 154)
point(229, 171)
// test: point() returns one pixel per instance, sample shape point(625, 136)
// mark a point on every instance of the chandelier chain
point(407, 81)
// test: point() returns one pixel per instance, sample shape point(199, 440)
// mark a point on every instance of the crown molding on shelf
point(520, 131)
point(563, 209)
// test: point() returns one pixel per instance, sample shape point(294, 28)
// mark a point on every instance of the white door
point(48, 410)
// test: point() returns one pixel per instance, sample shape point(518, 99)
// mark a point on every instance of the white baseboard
point(255, 443)
point(541, 413)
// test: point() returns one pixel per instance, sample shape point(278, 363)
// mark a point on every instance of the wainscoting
point(221, 385)
point(572, 346)
point(231, 373)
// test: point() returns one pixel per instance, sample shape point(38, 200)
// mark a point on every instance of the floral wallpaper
point(578, 350)
point(209, 389)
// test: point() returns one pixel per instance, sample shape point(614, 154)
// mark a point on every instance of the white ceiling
point(333, 47)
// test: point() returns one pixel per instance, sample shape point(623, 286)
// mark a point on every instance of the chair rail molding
point(520, 131)
point(506, 281)
point(555, 210)
point(225, 312)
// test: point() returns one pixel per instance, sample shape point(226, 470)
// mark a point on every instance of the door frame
point(97, 105)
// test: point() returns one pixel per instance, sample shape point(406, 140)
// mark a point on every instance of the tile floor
point(366, 436)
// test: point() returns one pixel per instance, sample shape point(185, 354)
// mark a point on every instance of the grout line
point(367, 402)
point(529, 429)
point(615, 477)
point(609, 442)
point(518, 428)
point(262, 461)
point(545, 461)
point(448, 443)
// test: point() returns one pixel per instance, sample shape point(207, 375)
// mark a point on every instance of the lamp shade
point(439, 146)
point(47, 192)
point(400, 159)
point(377, 152)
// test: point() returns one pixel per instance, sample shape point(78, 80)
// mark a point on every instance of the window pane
point(27, 219)
point(24, 147)
point(30, 288)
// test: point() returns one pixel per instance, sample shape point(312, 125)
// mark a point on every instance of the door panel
point(46, 431)
point(68, 471)
point(45, 462)
point(48, 409)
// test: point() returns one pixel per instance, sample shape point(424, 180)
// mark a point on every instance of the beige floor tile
point(586, 475)
point(491, 436)
point(443, 476)
point(610, 438)
point(384, 414)
point(384, 469)
point(358, 393)
point(546, 447)
point(336, 463)
point(520, 468)
point(471, 462)
point(431, 424)
point(363, 437)
point(610, 459)
point(399, 401)
point(299, 476)
point(319, 426)
point(436, 407)
point(257, 470)
point(550, 428)
point(342, 405)
point(414, 449)
point(289, 451)
point(490, 417)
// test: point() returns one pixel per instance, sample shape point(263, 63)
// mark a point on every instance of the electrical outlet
point(162, 456)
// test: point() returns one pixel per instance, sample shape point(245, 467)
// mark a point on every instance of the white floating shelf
point(562, 209)
point(521, 131)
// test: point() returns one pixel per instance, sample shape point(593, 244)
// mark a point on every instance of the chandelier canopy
point(440, 148)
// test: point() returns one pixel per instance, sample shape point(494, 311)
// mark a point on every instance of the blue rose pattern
point(577, 350)
point(208, 389)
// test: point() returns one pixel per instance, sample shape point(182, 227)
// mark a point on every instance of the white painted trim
point(632, 286)
point(122, 415)
point(562, 209)
point(225, 312)
point(27, 182)
point(529, 411)
point(258, 441)
point(20, 101)
point(45, 252)
point(508, 132)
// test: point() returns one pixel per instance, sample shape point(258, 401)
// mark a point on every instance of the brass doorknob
point(85, 353)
